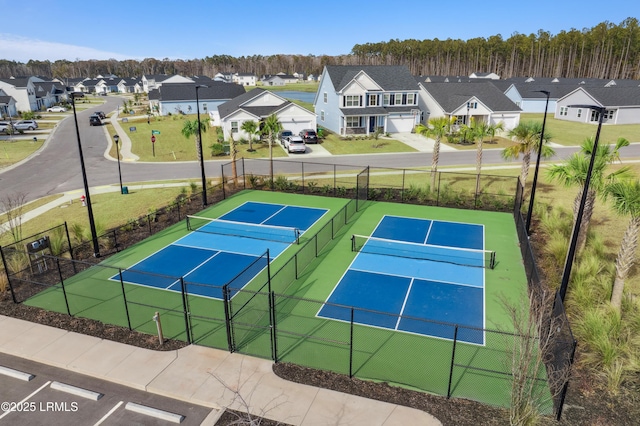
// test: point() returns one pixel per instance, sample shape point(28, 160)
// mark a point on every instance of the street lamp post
point(92, 224)
point(583, 200)
point(116, 139)
point(535, 175)
point(204, 179)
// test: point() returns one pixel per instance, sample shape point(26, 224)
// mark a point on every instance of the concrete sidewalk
point(203, 376)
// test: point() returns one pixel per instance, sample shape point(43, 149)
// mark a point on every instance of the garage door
point(297, 126)
point(400, 124)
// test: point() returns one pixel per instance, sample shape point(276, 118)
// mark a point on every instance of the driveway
point(419, 142)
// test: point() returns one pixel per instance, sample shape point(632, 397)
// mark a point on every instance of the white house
point(621, 104)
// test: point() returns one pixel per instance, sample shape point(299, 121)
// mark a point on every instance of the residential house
point(622, 105)
point(22, 90)
point(481, 101)
point(180, 98)
point(108, 84)
point(256, 105)
point(299, 76)
point(244, 79)
point(279, 79)
point(49, 93)
point(365, 99)
point(154, 81)
point(485, 75)
point(224, 77)
point(129, 85)
point(530, 97)
point(87, 85)
point(7, 105)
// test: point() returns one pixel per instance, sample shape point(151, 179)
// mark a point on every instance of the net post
point(453, 357)
point(297, 231)
point(64, 290)
point(124, 298)
point(353, 242)
point(493, 260)
point(268, 272)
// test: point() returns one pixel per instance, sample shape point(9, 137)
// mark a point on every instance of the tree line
point(606, 50)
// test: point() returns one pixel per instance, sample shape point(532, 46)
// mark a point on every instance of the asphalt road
point(56, 167)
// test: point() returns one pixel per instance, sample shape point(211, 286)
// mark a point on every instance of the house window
point(204, 107)
point(325, 97)
point(322, 115)
point(351, 100)
point(398, 99)
point(563, 110)
point(460, 119)
point(411, 98)
point(579, 112)
point(472, 105)
point(353, 121)
point(608, 115)
point(234, 127)
point(373, 100)
point(386, 99)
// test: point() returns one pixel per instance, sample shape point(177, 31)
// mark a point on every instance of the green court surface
point(480, 372)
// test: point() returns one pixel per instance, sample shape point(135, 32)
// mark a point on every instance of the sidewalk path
point(203, 376)
point(125, 141)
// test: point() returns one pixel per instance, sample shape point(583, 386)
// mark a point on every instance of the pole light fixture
point(92, 224)
point(116, 139)
point(571, 253)
point(535, 175)
point(204, 179)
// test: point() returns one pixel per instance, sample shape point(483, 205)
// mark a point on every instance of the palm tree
point(493, 129)
point(574, 173)
point(250, 127)
point(271, 127)
point(479, 129)
point(437, 128)
point(527, 134)
point(625, 196)
point(190, 128)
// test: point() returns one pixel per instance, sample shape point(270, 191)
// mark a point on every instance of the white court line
point(426, 237)
point(406, 297)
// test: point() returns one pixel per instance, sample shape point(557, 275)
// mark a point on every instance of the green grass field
point(405, 359)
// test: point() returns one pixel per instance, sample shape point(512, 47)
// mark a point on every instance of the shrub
point(312, 187)
point(217, 149)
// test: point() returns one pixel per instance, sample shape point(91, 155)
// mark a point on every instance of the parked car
point(295, 144)
point(57, 108)
point(285, 134)
point(95, 120)
point(4, 127)
point(100, 114)
point(309, 136)
point(25, 125)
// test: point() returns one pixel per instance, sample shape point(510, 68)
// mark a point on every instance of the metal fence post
point(302, 166)
point(453, 357)
point(268, 272)
point(124, 298)
point(6, 271)
point(64, 291)
point(404, 171)
point(224, 194)
point(563, 394)
point(438, 191)
point(274, 334)
point(185, 306)
point(351, 346)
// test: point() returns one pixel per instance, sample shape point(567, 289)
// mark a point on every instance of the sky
point(189, 29)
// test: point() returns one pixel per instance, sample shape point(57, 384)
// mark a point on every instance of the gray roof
point(187, 92)
point(532, 90)
point(388, 77)
point(615, 96)
point(17, 82)
point(236, 103)
point(5, 100)
point(364, 111)
point(451, 96)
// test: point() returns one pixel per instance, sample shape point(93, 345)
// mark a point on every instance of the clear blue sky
point(191, 29)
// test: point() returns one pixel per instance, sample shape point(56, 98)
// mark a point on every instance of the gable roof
point(16, 82)
point(450, 96)
point(388, 77)
point(236, 103)
point(187, 91)
point(613, 96)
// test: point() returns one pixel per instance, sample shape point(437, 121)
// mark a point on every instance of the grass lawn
point(569, 133)
point(171, 146)
point(17, 150)
point(110, 210)
point(489, 143)
point(337, 146)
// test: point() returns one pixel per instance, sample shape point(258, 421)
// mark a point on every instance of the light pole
point(535, 175)
point(583, 200)
point(92, 224)
point(116, 139)
point(204, 179)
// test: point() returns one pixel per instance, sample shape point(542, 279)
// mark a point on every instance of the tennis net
point(280, 234)
point(455, 255)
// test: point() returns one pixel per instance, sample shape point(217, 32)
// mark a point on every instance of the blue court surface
point(229, 250)
point(414, 270)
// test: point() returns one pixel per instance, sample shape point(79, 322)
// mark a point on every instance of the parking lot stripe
point(106, 416)
point(16, 374)
point(154, 412)
point(27, 398)
point(84, 393)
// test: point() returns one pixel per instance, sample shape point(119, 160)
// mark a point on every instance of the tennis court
point(410, 270)
point(232, 247)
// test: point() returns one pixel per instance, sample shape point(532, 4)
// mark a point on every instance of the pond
point(296, 95)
